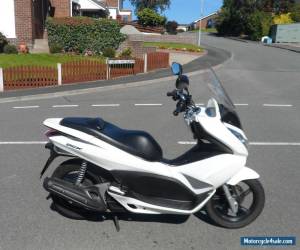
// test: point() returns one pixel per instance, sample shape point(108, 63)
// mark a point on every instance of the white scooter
point(117, 170)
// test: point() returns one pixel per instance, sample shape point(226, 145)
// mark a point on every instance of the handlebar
point(179, 108)
point(184, 101)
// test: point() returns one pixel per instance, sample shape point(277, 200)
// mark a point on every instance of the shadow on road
point(161, 218)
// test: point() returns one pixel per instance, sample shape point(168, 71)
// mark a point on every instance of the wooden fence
point(23, 77)
point(83, 71)
point(77, 71)
point(157, 60)
point(119, 70)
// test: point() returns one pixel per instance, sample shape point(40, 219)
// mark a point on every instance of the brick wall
point(137, 47)
point(205, 20)
point(203, 24)
point(62, 8)
point(24, 23)
point(190, 38)
point(112, 3)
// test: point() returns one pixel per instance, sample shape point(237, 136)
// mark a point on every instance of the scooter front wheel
point(250, 197)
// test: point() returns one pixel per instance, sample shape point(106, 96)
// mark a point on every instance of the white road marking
point(187, 142)
point(148, 104)
point(275, 143)
point(105, 105)
point(278, 105)
point(65, 106)
point(252, 143)
point(241, 104)
point(22, 142)
point(26, 107)
point(199, 104)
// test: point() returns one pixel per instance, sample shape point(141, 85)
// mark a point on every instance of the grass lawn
point(10, 60)
point(180, 46)
point(210, 30)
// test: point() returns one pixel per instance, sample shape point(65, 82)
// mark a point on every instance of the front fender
point(244, 174)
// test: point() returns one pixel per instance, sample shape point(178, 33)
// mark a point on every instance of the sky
point(186, 11)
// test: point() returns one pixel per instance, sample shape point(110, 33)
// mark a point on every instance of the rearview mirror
point(176, 69)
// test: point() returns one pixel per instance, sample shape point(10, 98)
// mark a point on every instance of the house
point(205, 22)
point(183, 27)
point(96, 8)
point(23, 21)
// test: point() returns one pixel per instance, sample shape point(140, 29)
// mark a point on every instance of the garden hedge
point(82, 34)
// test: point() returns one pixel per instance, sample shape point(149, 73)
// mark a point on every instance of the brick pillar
point(62, 7)
point(24, 23)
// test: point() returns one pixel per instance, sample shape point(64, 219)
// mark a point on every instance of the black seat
point(138, 143)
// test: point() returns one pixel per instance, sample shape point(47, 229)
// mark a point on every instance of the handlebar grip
point(170, 94)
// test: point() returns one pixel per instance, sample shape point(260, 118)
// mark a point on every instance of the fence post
point(1, 80)
point(145, 63)
point(107, 69)
point(59, 74)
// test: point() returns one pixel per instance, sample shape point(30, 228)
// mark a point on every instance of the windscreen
point(217, 90)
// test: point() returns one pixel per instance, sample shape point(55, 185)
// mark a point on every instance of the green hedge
point(258, 25)
point(81, 34)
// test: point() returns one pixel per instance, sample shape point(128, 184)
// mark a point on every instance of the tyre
point(250, 196)
point(68, 171)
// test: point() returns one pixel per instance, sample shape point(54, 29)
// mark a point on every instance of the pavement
point(262, 81)
point(295, 47)
point(184, 58)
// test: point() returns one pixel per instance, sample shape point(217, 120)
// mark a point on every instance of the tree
point(258, 25)
point(171, 27)
point(155, 5)
point(295, 13)
point(148, 17)
point(278, 6)
point(3, 42)
point(235, 16)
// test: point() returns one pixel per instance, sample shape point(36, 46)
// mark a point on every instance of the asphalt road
point(264, 82)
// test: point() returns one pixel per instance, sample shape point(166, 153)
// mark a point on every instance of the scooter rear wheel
point(250, 196)
point(68, 171)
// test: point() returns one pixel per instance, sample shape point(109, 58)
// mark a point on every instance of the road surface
point(265, 84)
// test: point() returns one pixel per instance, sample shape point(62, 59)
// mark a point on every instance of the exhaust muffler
point(85, 197)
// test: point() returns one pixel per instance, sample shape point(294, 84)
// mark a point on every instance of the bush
point(109, 52)
point(230, 22)
point(79, 34)
point(10, 49)
point(126, 53)
point(283, 19)
point(295, 13)
point(148, 17)
point(3, 42)
point(171, 27)
point(55, 48)
point(258, 25)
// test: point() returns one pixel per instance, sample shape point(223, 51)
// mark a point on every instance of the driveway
point(262, 81)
